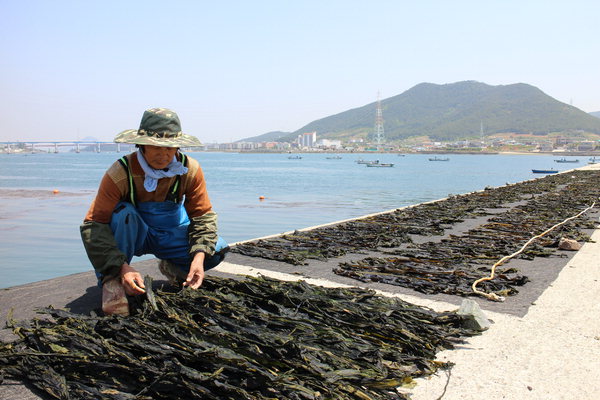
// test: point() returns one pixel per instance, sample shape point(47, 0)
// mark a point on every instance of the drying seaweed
point(327, 242)
point(453, 264)
point(429, 275)
point(251, 339)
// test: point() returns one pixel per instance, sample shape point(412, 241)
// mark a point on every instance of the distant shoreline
point(525, 153)
point(446, 152)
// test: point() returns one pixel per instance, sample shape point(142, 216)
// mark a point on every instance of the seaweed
point(356, 236)
point(453, 264)
point(255, 338)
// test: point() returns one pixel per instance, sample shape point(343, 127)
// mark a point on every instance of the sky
point(237, 69)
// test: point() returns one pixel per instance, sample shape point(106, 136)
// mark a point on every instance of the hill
point(595, 114)
point(273, 136)
point(458, 110)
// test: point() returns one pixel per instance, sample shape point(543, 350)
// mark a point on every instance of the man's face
point(159, 157)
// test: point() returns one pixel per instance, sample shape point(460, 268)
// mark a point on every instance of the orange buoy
point(55, 191)
point(261, 197)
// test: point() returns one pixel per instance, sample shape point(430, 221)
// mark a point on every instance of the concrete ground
point(543, 343)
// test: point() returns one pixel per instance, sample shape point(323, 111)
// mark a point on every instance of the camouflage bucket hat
point(159, 127)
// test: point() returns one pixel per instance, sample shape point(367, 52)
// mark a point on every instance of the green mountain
point(457, 110)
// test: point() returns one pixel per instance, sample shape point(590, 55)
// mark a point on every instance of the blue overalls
point(158, 228)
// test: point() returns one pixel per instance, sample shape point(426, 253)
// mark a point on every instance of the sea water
point(39, 230)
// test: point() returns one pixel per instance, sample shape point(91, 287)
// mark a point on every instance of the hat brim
point(134, 137)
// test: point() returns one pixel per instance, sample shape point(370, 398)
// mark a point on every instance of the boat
point(564, 160)
point(593, 160)
point(439, 159)
point(544, 171)
point(378, 164)
point(361, 161)
point(295, 157)
point(334, 158)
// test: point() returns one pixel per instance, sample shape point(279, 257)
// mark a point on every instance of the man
point(153, 201)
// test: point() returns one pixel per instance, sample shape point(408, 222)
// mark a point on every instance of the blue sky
point(236, 69)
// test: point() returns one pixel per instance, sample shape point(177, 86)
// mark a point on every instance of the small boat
point(439, 159)
point(295, 157)
point(564, 160)
point(361, 161)
point(593, 160)
point(544, 171)
point(334, 158)
point(378, 164)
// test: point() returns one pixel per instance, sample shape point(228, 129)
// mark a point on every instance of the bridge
point(14, 147)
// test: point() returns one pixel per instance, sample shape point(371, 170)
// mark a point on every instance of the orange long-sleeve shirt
point(114, 188)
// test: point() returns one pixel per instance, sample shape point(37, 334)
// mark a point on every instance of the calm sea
point(39, 231)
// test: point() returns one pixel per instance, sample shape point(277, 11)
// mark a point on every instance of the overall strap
point(125, 163)
point(173, 194)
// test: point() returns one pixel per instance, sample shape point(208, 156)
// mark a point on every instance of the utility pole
point(379, 133)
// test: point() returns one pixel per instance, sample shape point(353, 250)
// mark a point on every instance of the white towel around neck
point(153, 175)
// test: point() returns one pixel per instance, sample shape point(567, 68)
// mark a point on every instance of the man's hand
point(132, 281)
point(196, 275)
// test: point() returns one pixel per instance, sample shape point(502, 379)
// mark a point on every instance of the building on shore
point(308, 139)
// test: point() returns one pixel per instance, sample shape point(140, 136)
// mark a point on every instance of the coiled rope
point(494, 296)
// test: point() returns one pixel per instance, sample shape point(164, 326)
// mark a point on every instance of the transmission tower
point(379, 134)
point(481, 131)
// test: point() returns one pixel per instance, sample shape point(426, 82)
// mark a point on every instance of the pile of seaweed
point(251, 339)
point(452, 265)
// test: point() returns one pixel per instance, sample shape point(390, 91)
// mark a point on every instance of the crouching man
point(152, 201)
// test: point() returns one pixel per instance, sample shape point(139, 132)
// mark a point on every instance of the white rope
point(494, 296)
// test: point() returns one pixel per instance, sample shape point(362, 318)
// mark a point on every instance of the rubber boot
point(114, 300)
